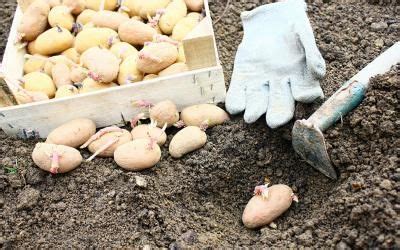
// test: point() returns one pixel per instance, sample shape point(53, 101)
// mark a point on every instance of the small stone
point(379, 26)
point(140, 181)
point(306, 238)
point(15, 181)
point(379, 43)
point(1, 202)
point(386, 184)
point(28, 198)
point(342, 246)
point(279, 172)
point(394, 26)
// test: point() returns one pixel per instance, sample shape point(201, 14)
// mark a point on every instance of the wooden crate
point(204, 83)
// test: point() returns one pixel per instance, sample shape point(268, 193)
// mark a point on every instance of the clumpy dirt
point(198, 200)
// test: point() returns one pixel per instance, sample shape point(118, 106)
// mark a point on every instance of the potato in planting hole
point(267, 204)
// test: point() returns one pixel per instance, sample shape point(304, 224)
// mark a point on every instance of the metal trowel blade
point(309, 142)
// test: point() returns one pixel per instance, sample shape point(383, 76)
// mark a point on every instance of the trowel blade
point(309, 142)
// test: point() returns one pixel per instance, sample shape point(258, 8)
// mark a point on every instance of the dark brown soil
point(198, 200)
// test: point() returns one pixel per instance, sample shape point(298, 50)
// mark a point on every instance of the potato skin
point(109, 19)
point(77, 6)
point(174, 69)
point(70, 158)
point(61, 75)
point(187, 140)
point(66, 90)
point(102, 63)
point(93, 37)
point(260, 212)
point(174, 12)
point(73, 133)
point(150, 7)
point(185, 26)
point(195, 5)
point(90, 85)
point(24, 97)
point(78, 74)
point(147, 131)
point(95, 4)
point(149, 77)
point(133, 6)
point(61, 16)
point(41, 82)
point(137, 155)
point(54, 40)
point(72, 54)
point(34, 64)
point(109, 152)
point(164, 112)
point(122, 50)
point(34, 20)
point(85, 16)
point(136, 32)
point(128, 72)
point(197, 115)
point(165, 52)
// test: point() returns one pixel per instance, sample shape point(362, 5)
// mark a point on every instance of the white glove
point(277, 63)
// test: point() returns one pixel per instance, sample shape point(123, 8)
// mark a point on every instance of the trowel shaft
point(350, 95)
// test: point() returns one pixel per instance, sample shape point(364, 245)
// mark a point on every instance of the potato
point(109, 19)
point(76, 6)
point(164, 112)
point(262, 211)
point(72, 54)
point(86, 16)
point(123, 50)
point(131, 6)
point(34, 20)
point(174, 12)
point(38, 81)
point(157, 56)
point(73, 133)
point(51, 61)
point(186, 141)
point(204, 114)
point(95, 4)
point(93, 37)
point(54, 3)
point(120, 138)
point(31, 49)
point(56, 158)
point(54, 40)
point(24, 96)
point(78, 74)
point(150, 76)
point(138, 155)
point(128, 72)
point(90, 85)
point(61, 75)
point(61, 16)
point(148, 131)
point(150, 7)
point(174, 69)
point(102, 64)
point(195, 5)
point(24, 4)
point(181, 52)
point(136, 32)
point(186, 25)
point(66, 90)
point(35, 63)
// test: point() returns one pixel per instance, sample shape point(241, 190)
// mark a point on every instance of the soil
point(198, 200)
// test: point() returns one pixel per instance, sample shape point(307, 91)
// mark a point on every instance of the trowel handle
point(350, 95)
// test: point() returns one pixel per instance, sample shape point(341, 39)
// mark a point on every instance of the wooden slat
point(107, 107)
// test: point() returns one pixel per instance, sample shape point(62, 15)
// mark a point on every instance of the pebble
point(379, 26)
point(386, 184)
point(379, 43)
point(140, 181)
point(1, 202)
point(342, 246)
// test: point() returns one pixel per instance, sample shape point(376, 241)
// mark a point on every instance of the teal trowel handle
point(350, 95)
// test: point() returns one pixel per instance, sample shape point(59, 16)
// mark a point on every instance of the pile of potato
point(132, 150)
point(80, 46)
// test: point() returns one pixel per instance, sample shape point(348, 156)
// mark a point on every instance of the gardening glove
point(277, 63)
